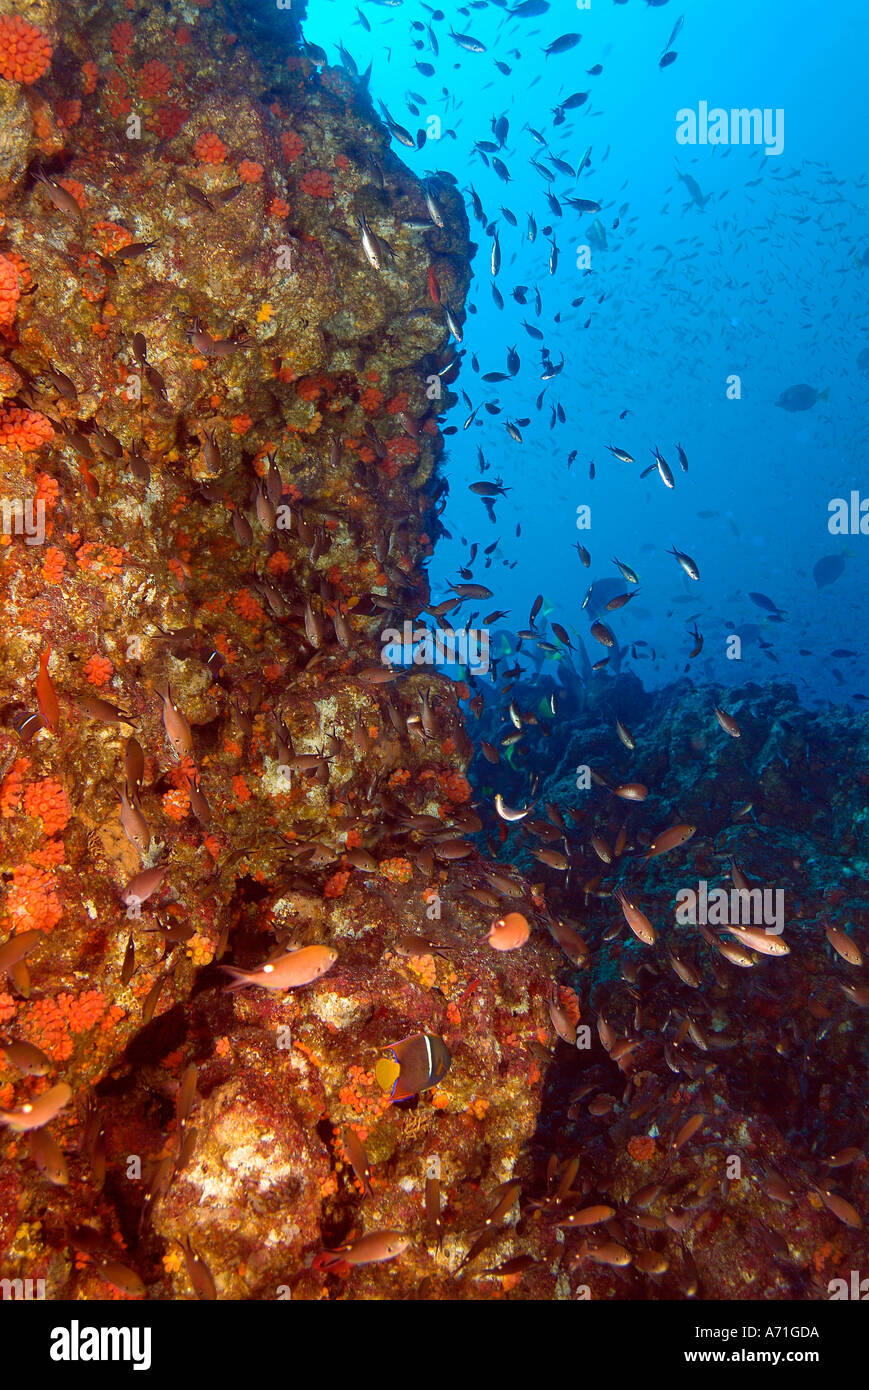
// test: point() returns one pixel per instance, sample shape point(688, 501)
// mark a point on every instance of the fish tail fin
point(330, 1260)
point(824, 395)
point(239, 978)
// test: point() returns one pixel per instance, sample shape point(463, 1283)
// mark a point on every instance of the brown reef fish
point(36, 1113)
point(371, 1249)
point(296, 968)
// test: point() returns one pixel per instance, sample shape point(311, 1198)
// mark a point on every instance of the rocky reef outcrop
point(224, 374)
point(717, 1102)
point(219, 436)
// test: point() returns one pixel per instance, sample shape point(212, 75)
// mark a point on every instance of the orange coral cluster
point(317, 184)
point(52, 1023)
point(362, 1093)
point(21, 266)
point(10, 790)
point(68, 112)
point(25, 52)
point(121, 39)
point(53, 565)
point(32, 904)
point(396, 870)
point(44, 124)
point(291, 145)
point(48, 489)
point(155, 79)
point(53, 853)
point(48, 800)
point(98, 670)
point(117, 96)
point(200, 949)
point(22, 429)
point(183, 773)
point(310, 387)
point(93, 278)
point(249, 171)
point(10, 292)
point(209, 148)
point(455, 787)
point(83, 1010)
point(246, 606)
point(424, 968)
point(105, 561)
point(176, 804)
point(642, 1148)
point(170, 119)
point(403, 447)
point(336, 884)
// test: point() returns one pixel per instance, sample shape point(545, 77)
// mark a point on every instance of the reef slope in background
point(172, 560)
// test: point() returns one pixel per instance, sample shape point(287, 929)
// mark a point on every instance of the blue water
point(764, 282)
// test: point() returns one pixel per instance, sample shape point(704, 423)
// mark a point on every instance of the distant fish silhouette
point(801, 397)
point(828, 570)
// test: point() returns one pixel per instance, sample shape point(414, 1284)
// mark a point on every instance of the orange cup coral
point(25, 52)
point(209, 148)
point(10, 292)
point(22, 429)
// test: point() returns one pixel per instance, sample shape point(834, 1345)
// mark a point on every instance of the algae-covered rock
point(222, 420)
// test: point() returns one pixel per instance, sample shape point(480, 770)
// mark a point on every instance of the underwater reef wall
point(718, 1105)
point(225, 361)
point(223, 410)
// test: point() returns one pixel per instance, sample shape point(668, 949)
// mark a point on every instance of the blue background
point(764, 281)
